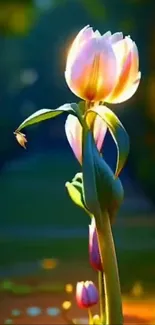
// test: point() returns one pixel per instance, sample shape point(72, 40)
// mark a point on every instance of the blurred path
point(140, 312)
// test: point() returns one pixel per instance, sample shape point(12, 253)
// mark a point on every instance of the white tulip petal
point(107, 35)
point(73, 131)
point(116, 37)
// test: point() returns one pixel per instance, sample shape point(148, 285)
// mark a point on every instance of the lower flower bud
point(86, 294)
point(94, 253)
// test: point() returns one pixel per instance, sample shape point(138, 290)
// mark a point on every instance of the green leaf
point(21, 289)
point(116, 129)
point(45, 114)
point(75, 191)
point(102, 190)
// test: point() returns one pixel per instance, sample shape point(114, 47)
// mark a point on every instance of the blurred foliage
point(25, 289)
point(16, 17)
point(96, 9)
point(127, 25)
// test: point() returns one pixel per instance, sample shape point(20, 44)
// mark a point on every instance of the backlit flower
point(102, 67)
point(86, 294)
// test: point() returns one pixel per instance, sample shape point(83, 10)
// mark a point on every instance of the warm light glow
point(102, 67)
point(69, 288)
point(137, 290)
point(66, 305)
point(49, 263)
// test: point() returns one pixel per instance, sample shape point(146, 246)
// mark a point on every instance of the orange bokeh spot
point(49, 263)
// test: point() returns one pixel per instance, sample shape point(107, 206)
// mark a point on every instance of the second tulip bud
point(94, 253)
point(86, 294)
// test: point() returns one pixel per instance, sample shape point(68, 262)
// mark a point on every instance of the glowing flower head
point(102, 67)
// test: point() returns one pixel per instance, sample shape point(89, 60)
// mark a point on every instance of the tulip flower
point(102, 67)
point(86, 294)
point(94, 253)
point(73, 130)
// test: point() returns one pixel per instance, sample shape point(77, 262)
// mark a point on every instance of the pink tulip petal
point(84, 56)
point(128, 64)
point(83, 36)
point(75, 67)
point(94, 254)
point(128, 93)
point(102, 68)
point(97, 33)
point(86, 34)
point(93, 73)
point(121, 49)
point(116, 37)
point(73, 131)
point(92, 294)
point(135, 63)
point(100, 129)
point(107, 35)
point(81, 294)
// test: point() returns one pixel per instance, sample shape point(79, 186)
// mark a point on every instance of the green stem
point(113, 300)
point(90, 317)
point(101, 293)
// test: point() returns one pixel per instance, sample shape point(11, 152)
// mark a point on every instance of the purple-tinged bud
point(94, 253)
point(86, 294)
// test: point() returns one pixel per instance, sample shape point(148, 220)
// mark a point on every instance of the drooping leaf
point(116, 129)
point(45, 114)
point(103, 192)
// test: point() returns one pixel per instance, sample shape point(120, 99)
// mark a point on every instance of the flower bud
point(21, 139)
point(94, 253)
point(86, 294)
point(97, 320)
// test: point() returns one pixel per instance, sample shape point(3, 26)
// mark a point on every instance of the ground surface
point(140, 312)
point(16, 306)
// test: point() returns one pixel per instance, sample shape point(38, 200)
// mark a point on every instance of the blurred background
point(38, 221)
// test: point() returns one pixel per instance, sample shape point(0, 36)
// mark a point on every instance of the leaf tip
point(66, 184)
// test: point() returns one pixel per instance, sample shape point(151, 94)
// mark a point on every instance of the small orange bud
point(21, 138)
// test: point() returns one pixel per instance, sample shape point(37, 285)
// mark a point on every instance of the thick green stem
point(113, 300)
point(101, 293)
